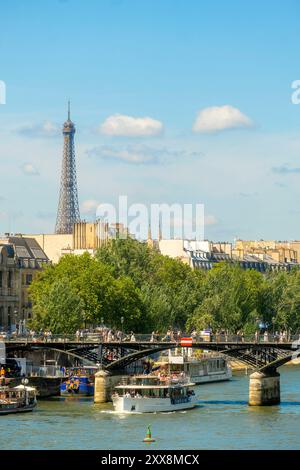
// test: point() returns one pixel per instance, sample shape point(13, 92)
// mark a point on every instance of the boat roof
point(143, 387)
point(22, 387)
point(145, 376)
point(82, 367)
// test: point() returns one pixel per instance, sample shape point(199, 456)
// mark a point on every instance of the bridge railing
point(150, 338)
point(89, 338)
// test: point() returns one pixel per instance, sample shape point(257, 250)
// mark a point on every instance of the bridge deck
point(258, 355)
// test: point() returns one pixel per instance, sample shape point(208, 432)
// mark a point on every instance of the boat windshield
point(159, 379)
point(81, 371)
point(159, 392)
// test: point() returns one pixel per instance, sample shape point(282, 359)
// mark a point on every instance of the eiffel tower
point(68, 207)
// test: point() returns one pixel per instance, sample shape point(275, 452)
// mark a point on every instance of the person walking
point(152, 339)
point(281, 337)
point(132, 337)
point(109, 336)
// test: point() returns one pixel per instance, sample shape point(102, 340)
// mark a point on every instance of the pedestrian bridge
point(263, 356)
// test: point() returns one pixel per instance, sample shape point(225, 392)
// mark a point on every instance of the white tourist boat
point(154, 393)
point(201, 369)
point(20, 399)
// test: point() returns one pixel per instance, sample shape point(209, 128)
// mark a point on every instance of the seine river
point(223, 420)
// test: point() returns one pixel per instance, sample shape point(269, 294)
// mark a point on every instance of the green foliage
point(231, 298)
point(58, 309)
point(288, 304)
point(98, 294)
point(169, 289)
point(128, 279)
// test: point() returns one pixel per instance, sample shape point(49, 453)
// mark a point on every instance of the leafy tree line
point(150, 291)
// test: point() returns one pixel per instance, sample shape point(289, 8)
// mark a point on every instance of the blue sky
point(173, 101)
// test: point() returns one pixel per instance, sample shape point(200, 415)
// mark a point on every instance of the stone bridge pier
point(264, 388)
point(104, 385)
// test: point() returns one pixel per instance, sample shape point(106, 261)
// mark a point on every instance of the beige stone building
point(262, 256)
point(53, 244)
point(86, 237)
point(174, 249)
point(280, 252)
point(21, 258)
point(198, 254)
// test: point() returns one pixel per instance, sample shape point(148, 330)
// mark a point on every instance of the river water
point(222, 420)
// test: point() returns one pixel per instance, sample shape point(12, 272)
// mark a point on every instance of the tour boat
point(18, 399)
point(154, 393)
point(80, 382)
point(202, 369)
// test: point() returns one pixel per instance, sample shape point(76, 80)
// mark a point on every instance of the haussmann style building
point(21, 258)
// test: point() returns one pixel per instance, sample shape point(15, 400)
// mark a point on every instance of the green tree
point(59, 309)
point(169, 288)
point(101, 295)
point(288, 303)
point(231, 299)
point(128, 279)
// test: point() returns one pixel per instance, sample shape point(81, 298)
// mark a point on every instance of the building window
point(9, 279)
point(8, 316)
point(1, 317)
point(28, 279)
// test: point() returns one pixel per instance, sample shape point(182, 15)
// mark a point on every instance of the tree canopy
point(128, 279)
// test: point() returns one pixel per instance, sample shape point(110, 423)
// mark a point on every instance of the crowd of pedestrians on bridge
point(109, 335)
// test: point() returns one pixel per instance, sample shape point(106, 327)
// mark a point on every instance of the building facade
point(85, 237)
point(20, 260)
point(264, 256)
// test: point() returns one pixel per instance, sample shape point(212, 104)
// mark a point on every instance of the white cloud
point(219, 118)
point(45, 129)
point(140, 154)
point(122, 125)
point(29, 169)
point(134, 154)
point(89, 206)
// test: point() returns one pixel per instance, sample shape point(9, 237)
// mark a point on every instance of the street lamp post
point(122, 323)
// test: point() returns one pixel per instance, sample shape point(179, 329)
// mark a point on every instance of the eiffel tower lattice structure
point(68, 207)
